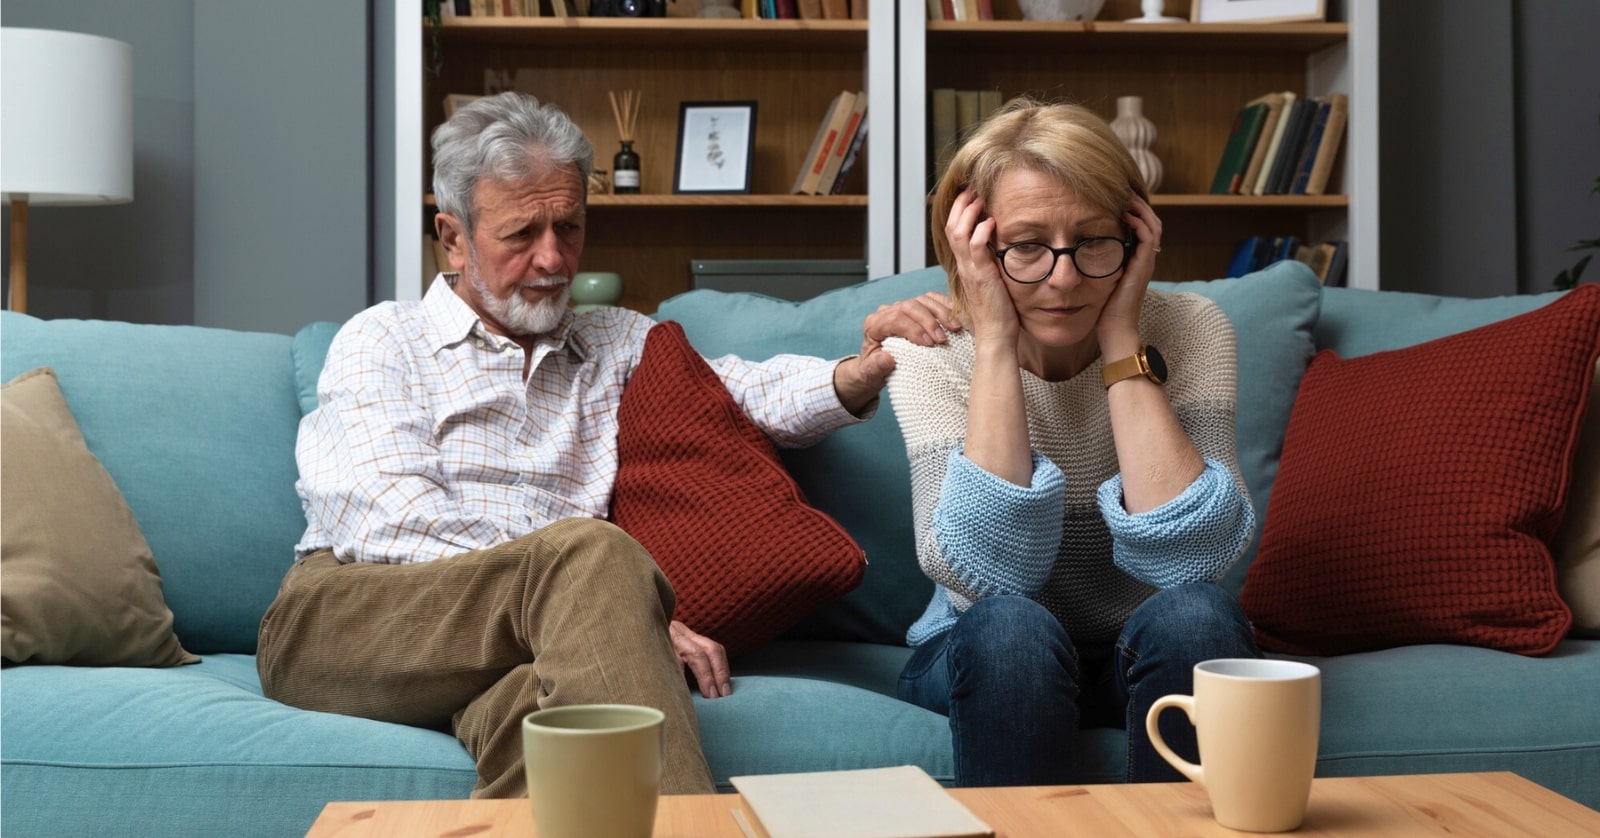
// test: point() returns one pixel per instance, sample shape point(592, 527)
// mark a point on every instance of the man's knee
point(600, 554)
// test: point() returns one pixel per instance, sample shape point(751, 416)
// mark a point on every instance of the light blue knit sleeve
point(999, 538)
point(1195, 537)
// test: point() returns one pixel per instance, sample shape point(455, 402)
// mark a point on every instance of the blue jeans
point(1012, 683)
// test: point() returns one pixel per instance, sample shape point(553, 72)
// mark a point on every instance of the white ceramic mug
point(1257, 722)
point(594, 770)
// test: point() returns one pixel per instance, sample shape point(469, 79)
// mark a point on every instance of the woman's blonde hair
point(1067, 142)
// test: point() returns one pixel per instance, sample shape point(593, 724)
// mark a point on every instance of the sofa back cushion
point(1273, 312)
point(196, 426)
point(1356, 322)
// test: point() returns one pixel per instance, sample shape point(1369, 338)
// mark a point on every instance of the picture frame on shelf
point(716, 142)
point(1258, 11)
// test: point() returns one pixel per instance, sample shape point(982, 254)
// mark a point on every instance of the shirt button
point(478, 343)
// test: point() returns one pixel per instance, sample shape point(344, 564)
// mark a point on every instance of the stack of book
point(1282, 144)
point(835, 147)
point(960, 9)
point(951, 116)
point(1326, 259)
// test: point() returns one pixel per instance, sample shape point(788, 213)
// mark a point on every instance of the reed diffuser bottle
point(625, 166)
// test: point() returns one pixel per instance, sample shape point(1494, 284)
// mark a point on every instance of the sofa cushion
point(703, 489)
point(1355, 321)
point(1420, 486)
point(1273, 312)
point(197, 750)
point(1444, 708)
point(308, 352)
point(77, 582)
point(197, 428)
point(859, 475)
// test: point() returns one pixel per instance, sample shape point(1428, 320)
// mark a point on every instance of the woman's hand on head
point(1119, 320)
point(989, 309)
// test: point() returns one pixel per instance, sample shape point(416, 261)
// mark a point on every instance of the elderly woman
point(1076, 489)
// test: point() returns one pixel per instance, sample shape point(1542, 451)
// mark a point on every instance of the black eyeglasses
point(1093, 258)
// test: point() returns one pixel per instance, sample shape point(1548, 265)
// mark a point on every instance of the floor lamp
point(66, 128)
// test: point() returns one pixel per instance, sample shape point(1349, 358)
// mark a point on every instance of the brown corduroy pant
point(574, 613)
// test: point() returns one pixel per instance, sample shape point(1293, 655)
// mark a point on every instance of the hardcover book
point(1259, 186)
point(1289, 149)
point(1252, 173)
point(841, 146)
point(1308, 151)
point(804, 180)
point(1241, 143)
point(1328, 149)
point(900, 802)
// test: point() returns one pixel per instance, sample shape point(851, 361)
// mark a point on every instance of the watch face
point(1158, 364)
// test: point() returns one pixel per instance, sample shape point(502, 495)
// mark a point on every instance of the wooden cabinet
point(791, 69)
point(1193, 79)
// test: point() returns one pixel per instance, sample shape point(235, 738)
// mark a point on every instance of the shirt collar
point(451, 321)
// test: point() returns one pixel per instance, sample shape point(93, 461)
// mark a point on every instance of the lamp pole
point(19, 253)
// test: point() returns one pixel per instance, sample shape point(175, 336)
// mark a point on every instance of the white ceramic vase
point(1060, 9)
point(1138, 134)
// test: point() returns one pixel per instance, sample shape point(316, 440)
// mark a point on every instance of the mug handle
point(1185, 703)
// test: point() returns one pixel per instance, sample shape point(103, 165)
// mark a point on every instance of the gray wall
point(1558, 146)
point(250, 205)
point(1490, 142)
point(129, 261)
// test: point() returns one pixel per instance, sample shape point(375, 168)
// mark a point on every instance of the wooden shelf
point(1154, 38)
point(678, 33)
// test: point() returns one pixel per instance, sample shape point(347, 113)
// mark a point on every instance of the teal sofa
point(197, 427)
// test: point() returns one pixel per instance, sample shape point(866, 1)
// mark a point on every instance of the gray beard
point(517, 315)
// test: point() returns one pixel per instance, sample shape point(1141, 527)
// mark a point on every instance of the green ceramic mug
point(594, 770)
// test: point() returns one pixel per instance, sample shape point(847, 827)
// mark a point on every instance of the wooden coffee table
point(1497, 804)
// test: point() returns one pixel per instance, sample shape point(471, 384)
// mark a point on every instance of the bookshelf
point(1193, 78)
point(792, 68)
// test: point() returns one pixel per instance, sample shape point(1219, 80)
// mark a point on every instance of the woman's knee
point(1201, 615)
point(1010, 634)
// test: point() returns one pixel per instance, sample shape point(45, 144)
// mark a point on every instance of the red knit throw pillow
point(1419, 488)
point(703, 489)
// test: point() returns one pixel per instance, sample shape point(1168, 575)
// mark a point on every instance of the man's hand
point(924, 320)
point(705, 659)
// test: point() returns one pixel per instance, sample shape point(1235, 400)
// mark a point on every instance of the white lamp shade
point(66, 117)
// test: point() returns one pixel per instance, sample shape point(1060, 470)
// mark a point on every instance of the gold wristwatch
point(1146, 362)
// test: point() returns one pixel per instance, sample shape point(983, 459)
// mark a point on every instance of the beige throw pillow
point(1577, 544)
point(78, 584)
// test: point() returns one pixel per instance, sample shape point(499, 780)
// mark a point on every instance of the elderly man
point(457, 571)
